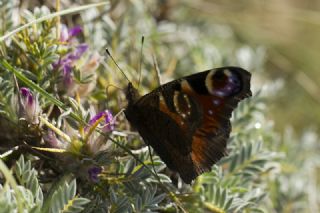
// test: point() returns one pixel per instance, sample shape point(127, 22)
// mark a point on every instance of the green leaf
point(64, 199)
point(223, 197)
point(159, 198)
point(27, 177)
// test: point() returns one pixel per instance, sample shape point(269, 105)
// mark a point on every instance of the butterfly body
point(187, 121)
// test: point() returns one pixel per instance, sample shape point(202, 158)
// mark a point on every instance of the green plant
point(29, 193)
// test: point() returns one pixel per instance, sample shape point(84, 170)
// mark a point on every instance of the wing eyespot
point(182, 104)
point(223, 82)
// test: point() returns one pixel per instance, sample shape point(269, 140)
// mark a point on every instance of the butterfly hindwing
point(165, 136)
point(187, 121)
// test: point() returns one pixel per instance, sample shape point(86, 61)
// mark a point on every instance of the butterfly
point(187, 121)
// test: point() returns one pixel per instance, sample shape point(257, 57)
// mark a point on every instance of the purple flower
point(78, 52)
point(80, 49)
point(56, 65)
point(95, 140)
point(67, 62)
point(108, 122)
point(67, 76)
point(29, 108)
point(75, 31)
point(93, 173)
point(66, 34)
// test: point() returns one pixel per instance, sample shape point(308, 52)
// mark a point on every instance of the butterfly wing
point(187, 121)
point(165, 136)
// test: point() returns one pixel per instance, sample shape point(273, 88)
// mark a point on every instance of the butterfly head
point(131, 93)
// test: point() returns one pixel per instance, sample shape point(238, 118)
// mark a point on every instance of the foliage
point(62, 199)
point(69, 153)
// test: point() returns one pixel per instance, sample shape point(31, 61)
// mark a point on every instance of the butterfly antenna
point(114, 61)
point(141, 59)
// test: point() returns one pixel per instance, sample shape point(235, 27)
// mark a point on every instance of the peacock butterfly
point(187, 121)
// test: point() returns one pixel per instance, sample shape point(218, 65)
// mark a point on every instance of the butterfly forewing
point(187, 121)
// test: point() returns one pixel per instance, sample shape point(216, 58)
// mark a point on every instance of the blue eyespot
point(226, 83)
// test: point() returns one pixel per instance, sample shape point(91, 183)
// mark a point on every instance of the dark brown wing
point(187, 121)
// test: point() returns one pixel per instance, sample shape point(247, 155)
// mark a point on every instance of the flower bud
point(93, 173)
point(29, 107)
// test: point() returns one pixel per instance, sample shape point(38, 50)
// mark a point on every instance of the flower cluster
point(67, 63)
point(85, 141)
point(91, 142)
point(102, 120)
point(105, 121)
